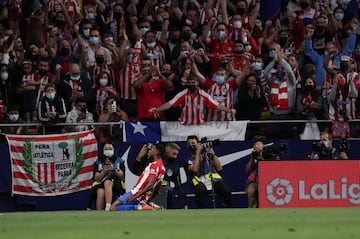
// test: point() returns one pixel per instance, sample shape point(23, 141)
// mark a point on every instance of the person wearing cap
point(342, 97)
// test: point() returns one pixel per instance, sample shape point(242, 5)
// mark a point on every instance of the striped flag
point(49, 165)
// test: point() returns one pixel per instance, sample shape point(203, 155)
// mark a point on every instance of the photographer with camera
point(325, 150)
point(79, 114)
point(260, 152)
point(252, 180)
point(204, 170)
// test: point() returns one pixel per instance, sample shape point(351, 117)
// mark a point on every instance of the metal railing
point(41, 128)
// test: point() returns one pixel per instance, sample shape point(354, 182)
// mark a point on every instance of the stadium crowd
point(110, 60)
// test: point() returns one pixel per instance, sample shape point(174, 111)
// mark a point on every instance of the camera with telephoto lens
point(272, 151)
point(255, 155)
point(343, 145)
point(209, 144)
point(318, 147)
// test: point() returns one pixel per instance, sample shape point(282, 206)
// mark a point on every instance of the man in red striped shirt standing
point(193, 101)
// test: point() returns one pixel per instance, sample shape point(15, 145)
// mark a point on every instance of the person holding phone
point(109, 178)
point(79, 114)
point(112, 112)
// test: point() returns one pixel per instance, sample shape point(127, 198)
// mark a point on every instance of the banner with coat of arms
point(50, 165)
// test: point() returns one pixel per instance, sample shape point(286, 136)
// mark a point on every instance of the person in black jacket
point(52, 110)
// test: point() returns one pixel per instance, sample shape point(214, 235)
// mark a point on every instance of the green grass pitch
point(319, 223)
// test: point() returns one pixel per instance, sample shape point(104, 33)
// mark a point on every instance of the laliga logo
point(279, 191)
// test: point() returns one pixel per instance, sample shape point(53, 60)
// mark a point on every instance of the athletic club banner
point(51, 165)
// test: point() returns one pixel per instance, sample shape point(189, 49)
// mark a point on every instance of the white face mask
point(248, 48)
point(159, 18)
point(75, 77)
point(151, 44)
point(14, 117)
point(219, 79)
point(86, 32)
point(188, 22)
point(4, 75)
point(103, 82)
point(326, 144)
point(237, 24)
point(50, 96)
point(108, 152)
point(220, 35)
point(144, 30)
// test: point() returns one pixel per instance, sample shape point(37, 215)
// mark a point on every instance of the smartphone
point(113, 106)
point(9, 40)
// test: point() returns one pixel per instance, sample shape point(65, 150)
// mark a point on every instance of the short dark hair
point(192, 137)
point(80, 99)
point(161, 149)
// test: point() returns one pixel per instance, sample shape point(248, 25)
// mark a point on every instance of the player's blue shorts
point(127, 206)
point(126, 195)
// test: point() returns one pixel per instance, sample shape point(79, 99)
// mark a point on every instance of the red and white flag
point(50, 165)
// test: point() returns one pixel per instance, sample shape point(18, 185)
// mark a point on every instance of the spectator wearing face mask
point(150, 90)
point(194, 101)
point(219, 44)
point(79, 114)
point(90, 54)
point(103, 89)
point(324, 149)
point(251, 101)
point(73, 85)
point(51, 110)
point(221, 88)
point(13, 117)
point(281, 81)
point(154, 49)
point(109, 178)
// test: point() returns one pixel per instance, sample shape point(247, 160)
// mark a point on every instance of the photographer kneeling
point(204, 168)
point(260, 152)
point(325, 150)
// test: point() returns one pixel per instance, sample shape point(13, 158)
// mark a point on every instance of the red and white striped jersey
point(130, 73)
point(100, 95)
point(157, 55)
point(224, 95)
point(342, 108)
point(193, 107)
point(156, 170)
point(72, 7)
